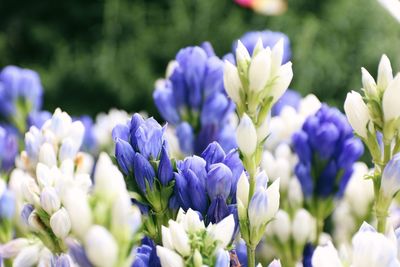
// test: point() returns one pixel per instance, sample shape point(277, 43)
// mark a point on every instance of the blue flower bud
point(78, 253)
point(197, 191)
point(213, 80)
point(215, 109)
point(196, 164)
point(149, 138)
point(144, 172)
point(218, 210)
point(223, 259)
point(26, 211)
point(181, 191)
point(258, 209)
point(390, 183)
point(136, 121)
point(301, 146)
point(326, 182)
point(193, 61)
point(219, 181)
point(142, 256)
point(325, 139)
point(185, 135)
point(303, 173)
point(213, 154)
point(124, 154)
point(165, 172)
point(227, 138)
point(352, 150)
point(207, 47)
point(7, 205)
point(164, 99)
point(234, 163)
point(121, 131)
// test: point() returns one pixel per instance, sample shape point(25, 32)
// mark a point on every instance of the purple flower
point(327, 151)
point(38, 118)
point(9, 137)
point(207, 184)
point(193, 99)
point(290, 98)
point(21, 86)
point(7, 205)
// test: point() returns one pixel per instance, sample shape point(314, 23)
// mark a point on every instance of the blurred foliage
point(93, 54)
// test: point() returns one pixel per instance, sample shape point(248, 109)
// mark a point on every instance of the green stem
point(159, 222)
point(381, 223)
point(251, 256)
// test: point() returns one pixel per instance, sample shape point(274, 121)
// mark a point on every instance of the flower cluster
point(327, 150)
point(20, 92)
point(192, 98)
point(208, 184)
point(376, 119)
point(142, 155)
point(188, 242)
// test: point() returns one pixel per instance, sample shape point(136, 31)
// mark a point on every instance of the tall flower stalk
point(255, 84)
point(375, 117)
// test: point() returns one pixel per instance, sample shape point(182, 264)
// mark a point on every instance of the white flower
point(326, 256)
point(259, 70)
point(166, 238)
point(101, 247)
point(179, 238)
point(68, 149)
point(281, 226)
point(169, 258)
point(357, 113)
point(108, 179)
point(246, 136)
point(13, 247)
point(372, 249)
point(76, 203)
point(368, 82)
point(242, 191)
point(223, 231)
point(285, 76)
point(47, 155)
point(60, 223)
point(28, 257)
point(273, 199)
point(232, 81)
point(309, 105)
point(302, 227)
point(385, 75)
point(241, 53)
point(296, 194)
point(390, 105)
point(49, 200)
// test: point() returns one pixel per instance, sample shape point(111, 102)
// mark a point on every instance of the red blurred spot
point(244, 3)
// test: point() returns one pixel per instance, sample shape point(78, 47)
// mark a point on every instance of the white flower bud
point(108, 179)
point(59, 124)
point(390, 104)
point(223, 231)
point(13, 247)
point(296, 194)
point(246, 136)
point(285, 76)
point(385, 74)
point(179, 238)
point(273, 199)
point(327, 256)
point(47, 155)
point(242, 191)
point(368, 82)
point(259, 70)
point(302, 226)
point(309, 105)
point(281, 226)
point(60, 223)
point(276, 57)
point(357, 113)
point(28, 256)
point(76, 203)
point(68, 149)
point(169, 258)
point(263, 130)
point(49, 200)
point(30, 190)
point(44, 176)
point(232, 81)
point(166, 238)
point(101, 247)
point(76, 133)
point(241, 53)
point(34, 222)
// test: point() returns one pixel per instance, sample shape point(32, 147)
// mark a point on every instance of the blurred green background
point(97, 54)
